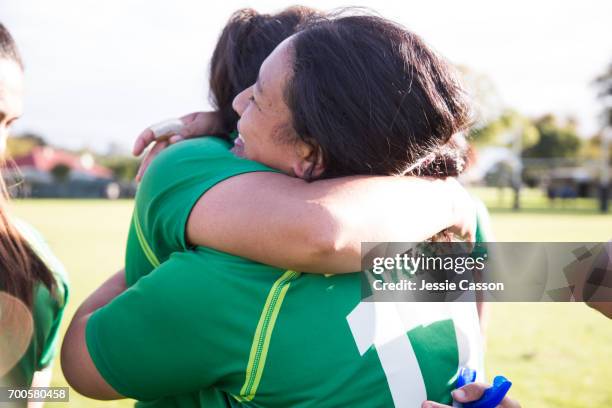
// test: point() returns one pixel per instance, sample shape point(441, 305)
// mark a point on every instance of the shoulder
point(184, 159)
point(190, 165)
point(192, 151)
point(174, 183)
point(49, 306)
point(196, 147)
point(200, 156)
point(40, 247)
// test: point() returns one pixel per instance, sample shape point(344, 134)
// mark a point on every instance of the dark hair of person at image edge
point(20, 268)
point(246, 41)
point(372, 98)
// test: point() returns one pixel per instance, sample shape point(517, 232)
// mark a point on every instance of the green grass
point(558, 355)
point(89, 237)
point(572, 221)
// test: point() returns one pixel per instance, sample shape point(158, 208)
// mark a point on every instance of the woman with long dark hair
point(201, 325)
point(342, 212)
point(33, 288)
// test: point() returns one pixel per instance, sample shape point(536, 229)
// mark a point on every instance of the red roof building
point(45, 158)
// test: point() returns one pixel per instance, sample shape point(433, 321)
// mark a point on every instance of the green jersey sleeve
point(173, 184)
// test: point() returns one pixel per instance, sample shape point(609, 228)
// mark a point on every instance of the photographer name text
point(463, 285)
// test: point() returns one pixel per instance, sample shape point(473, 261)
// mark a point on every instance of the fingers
point(175, 139)
point(469, 392)
point(470, 241)
point(195, 126)
point(431, 404)
point(166, 130)
point(189, 130)
point(187, 119)
point(603, 307)
point(191, 125)
point(158, 147)
point(474, 391)
point(200, 123)
point(142, 141)
point(509, 403)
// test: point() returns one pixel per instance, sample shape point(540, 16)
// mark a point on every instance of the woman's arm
point(319, 227)
point(314, 227)
point(77, 365)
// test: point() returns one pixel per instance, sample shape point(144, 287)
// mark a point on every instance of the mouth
point(238, 148)
point(239, 140)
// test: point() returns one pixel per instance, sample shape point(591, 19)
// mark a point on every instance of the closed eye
point(252, 99)
point(10, 122)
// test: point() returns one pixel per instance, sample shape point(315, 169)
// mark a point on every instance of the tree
point(123, 168)
point(502, 130)
point(604, 83)
point(592, 148)
point(555, 140)
point(23, 144)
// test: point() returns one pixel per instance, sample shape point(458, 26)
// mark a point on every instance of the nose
point(240, 102)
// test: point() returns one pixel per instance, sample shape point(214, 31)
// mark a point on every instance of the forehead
point(11, 88)
point(275, 71)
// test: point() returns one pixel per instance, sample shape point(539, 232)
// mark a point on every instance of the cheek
point(248, 126)
point(275, 154)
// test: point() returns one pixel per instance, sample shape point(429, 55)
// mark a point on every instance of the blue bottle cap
point(466, 376)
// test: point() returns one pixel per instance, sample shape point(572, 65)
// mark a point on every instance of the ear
point(309, 164)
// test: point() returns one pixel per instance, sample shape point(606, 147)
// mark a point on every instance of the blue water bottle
point(493, 395)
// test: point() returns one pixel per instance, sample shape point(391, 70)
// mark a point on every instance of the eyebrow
point(2, 115)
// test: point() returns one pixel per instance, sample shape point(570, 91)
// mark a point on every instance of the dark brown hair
point(20, 268)
point(372, 98)
point(8, 48)
point(245, 42)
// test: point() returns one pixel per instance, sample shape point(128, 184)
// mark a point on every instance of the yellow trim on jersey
point(263, 333)
point(149, 254)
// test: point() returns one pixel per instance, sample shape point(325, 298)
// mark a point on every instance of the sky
point(99, 72)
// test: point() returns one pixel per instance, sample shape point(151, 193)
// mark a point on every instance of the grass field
point(558, 355)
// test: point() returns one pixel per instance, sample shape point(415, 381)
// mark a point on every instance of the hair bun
point(447, 160)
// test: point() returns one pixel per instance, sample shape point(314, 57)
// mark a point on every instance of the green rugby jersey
point(205, 328)
point(47, 312)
